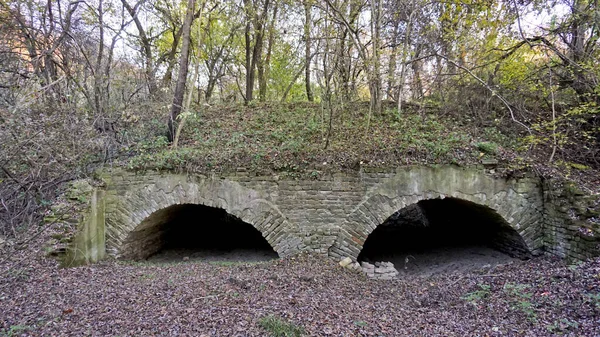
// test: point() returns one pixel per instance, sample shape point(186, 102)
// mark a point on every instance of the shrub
point(487, 147)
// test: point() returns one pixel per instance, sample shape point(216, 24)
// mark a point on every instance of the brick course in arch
point(521, 209)
point(369, 215)
point(137, 206)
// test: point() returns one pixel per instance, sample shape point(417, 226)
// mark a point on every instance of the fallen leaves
point(312, 293)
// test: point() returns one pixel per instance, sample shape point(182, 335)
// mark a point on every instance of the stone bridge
point(332, 215)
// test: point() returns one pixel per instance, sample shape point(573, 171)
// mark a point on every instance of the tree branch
point(493, 92)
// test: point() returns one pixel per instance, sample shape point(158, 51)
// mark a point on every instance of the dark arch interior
point(196, 232)
point(443, 235)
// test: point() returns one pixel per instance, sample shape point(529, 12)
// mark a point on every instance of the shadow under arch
point(133, 210)
point(447, 233)
point(195, 230)
point(377, 209)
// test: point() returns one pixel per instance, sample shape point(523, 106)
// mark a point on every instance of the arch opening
point(443, 235)
point(196, 232)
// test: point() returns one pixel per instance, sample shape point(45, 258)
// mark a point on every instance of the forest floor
point(301, 296)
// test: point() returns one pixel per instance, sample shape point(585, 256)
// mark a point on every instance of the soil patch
point(213, 255)
point(447, 260)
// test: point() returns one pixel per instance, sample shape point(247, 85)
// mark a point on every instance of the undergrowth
point(293, 138)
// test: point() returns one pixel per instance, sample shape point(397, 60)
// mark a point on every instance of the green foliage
point(15, 330)
point(290, 137)
point(361, 323)
point(429, 135)
point(513, 72)
point(20, 274)
point(478, 295)
point(148, 276)
point(285, 64)
point(594, 299)
point(518, 296)
point(520, 299)
point(168, 159)
point(152, 145)
point(494, 135)
point(573, 132)
point(580, 167)
point(488, 148)
point(562, 326)
point(277, 327)
point(574, 266)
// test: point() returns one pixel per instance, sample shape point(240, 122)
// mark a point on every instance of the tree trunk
point(416, 68)
point(376, 60)
point(99, 59)
point(183, 70)
point(259, 37)
point(264, 73)
point(146, 46)
point(327, 79)
point(170, 59)
point(307, 55)
point(405, 49)
point(248, 47)
point(210, 87)
point(195, 78)
point(391, 74)
point(343, 65)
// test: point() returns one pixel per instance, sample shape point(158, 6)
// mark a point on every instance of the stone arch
point(138, 205)
point(520, 210)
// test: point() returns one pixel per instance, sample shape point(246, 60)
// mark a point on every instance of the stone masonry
point(380, 270)
point(332, 215)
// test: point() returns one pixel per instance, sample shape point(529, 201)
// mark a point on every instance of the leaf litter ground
point(539, 297)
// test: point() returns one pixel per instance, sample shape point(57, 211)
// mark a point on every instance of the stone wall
point(572, 221)
point(518, 202)
point(334, 214)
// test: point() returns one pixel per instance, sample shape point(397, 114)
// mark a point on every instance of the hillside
point(296, 139)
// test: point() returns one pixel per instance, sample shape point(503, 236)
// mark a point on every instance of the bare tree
point(369, 57)
point(183, 70)
point(146, 44)
point(263, 66)
point(253, 38)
